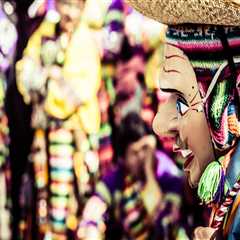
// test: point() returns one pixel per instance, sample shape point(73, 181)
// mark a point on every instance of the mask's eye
point(182, 106)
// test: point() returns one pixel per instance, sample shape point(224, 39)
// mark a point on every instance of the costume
point(60, 77)
point(124, 213)
point(208, 34)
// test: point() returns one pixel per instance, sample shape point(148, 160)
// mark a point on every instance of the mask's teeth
point(176, 148)
point(186, 153)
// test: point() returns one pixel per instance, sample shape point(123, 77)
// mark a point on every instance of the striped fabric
point(134, 213)
point(61, 179)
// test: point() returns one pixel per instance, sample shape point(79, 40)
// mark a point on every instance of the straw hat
point(217, 12)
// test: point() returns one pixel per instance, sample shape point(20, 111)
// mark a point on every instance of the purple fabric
point(167, 173)
point(220, 191)
point(165, 164)
point(2, 15)
point(116, 26)
point(170, 181)
point(116, 5)
point(50, 5)
point(114, 180)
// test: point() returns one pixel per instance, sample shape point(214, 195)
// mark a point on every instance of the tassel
point(211, 185)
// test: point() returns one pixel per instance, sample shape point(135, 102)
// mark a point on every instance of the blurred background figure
point(59, 75)
point(141, 197)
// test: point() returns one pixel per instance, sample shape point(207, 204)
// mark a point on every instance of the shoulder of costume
point(109, 185)
point(114, 179)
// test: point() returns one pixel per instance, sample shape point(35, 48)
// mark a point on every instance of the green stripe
point(208, 64)
point(114, 15)
point(174, 198)
point(103, 191)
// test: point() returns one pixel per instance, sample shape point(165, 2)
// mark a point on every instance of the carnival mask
point(200, 71)
point(182, 116)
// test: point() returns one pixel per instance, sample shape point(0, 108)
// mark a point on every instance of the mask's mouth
point(186, 153)
point(188, 161)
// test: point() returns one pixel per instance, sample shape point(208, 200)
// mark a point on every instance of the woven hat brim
point(217, 12)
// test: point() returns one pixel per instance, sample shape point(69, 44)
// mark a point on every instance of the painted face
point(182, 115)
point(70, 13)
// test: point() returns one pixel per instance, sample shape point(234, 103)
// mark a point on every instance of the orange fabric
point(231, 217)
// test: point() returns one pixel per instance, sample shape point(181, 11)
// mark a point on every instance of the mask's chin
point(193, 180)
point(193, 184)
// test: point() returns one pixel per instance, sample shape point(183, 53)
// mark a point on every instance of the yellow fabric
point(32, 53)
point(153, 68)
point(104, 192)
point(81, 70)
point(33, 48)
point(2, 93)
point(95, 11)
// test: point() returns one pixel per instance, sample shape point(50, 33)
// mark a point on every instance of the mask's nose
point(165, 122)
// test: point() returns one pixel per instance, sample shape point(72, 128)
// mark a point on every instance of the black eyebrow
point(174, 56)
point(170, 70)
point(171, 90)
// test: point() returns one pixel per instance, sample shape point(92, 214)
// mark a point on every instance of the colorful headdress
point(214, 53)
